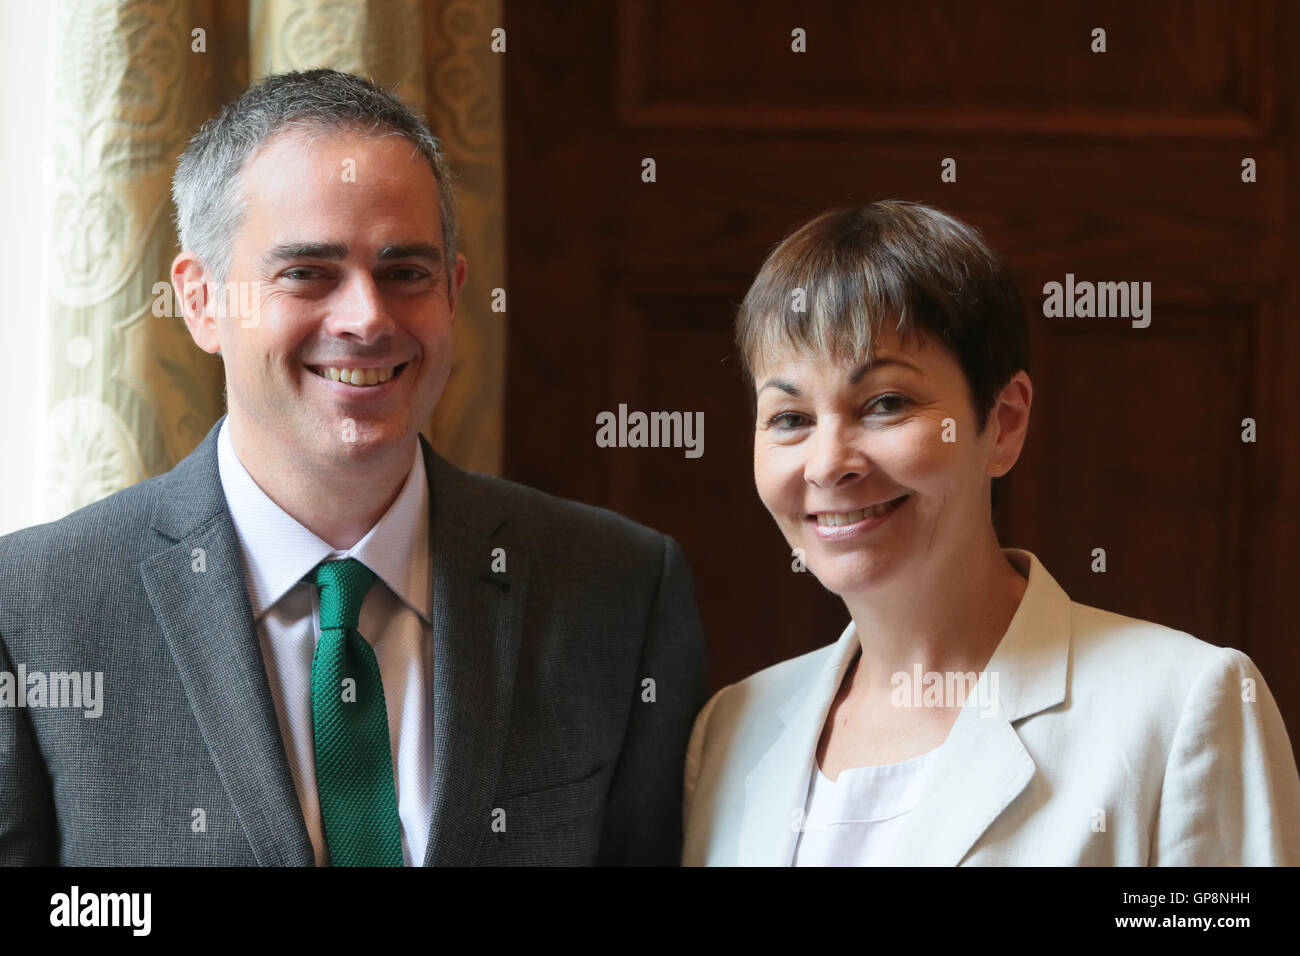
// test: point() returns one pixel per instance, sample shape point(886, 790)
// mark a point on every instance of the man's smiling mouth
point(361, 377)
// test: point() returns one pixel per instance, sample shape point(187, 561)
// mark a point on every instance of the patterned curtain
point(128, 392)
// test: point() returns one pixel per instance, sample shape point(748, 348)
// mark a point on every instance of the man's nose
point(361, 309)
point(834, 455)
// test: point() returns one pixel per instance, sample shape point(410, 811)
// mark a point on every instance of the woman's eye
point(890, 404)
point(786, 421)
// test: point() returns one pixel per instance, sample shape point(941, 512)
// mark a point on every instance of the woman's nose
point(833, 456)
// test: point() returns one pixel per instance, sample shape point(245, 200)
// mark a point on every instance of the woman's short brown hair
point(903, 262)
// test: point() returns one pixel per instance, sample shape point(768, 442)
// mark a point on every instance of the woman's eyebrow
point(790, 389)
point(877, 363)
point(786, 387)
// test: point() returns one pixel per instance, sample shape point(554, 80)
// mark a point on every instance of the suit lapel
point(983, 765)
point(197, 590)
point(477, 620)
point(777, 788)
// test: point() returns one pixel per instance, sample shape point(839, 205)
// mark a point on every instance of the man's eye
point(890, 404)
point(407, 274)
point(300, 273)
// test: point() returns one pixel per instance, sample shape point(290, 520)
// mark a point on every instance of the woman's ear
point(1010, 419)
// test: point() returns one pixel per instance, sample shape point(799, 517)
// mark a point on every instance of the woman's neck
point(950, 620)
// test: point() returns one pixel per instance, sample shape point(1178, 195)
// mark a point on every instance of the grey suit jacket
point(542, 719)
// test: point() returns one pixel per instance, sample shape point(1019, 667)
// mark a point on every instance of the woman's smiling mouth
point(842, 525)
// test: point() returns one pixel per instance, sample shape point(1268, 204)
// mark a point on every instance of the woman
point(970, 713)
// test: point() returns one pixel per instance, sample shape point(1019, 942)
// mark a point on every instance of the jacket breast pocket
point(557, 826)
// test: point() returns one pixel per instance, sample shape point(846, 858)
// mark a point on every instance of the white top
point(396, 618)
point(853, 820)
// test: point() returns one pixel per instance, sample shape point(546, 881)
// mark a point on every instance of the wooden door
point(1117, 166)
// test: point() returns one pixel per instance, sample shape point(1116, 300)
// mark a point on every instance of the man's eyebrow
point(875, 363)
point(305, 250)
point(288, 251)
point(411, 250)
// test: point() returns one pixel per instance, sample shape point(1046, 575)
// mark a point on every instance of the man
point(319, 641)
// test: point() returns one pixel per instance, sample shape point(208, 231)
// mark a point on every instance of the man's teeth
point(853, 517)
point(358, 376)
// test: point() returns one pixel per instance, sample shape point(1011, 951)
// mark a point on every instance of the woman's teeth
point(357, 376)
point(853, 517)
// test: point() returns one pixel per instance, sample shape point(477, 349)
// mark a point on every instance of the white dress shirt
point(396, 618)
point(854, 819)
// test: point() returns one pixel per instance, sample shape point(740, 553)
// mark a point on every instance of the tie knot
point(343, 586)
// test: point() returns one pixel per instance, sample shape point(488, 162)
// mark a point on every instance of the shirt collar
point(278, 551)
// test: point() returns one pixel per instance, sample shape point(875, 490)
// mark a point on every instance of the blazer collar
point(981, 767)
point(197, 589)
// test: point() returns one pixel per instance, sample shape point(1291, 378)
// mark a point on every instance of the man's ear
point(1010, 419)
point(458, 276)
point(193, 288)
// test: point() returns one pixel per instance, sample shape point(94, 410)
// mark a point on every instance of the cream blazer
point(1110, 742)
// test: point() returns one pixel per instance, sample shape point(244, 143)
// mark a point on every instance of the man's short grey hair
point(207, 187)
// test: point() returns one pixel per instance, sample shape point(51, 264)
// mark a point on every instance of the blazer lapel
point(981, 768)
point(983, 765)
point(197, 590)
point(477, 620)
point(776, 790)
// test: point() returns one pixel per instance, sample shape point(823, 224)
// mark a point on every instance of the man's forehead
point(332, 150)
point(296, 191)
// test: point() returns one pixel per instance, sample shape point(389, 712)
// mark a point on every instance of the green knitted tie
point(354, 766)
